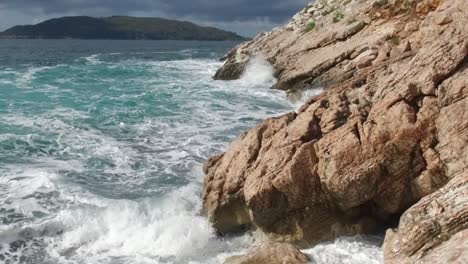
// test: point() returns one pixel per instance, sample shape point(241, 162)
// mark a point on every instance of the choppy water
point(101, 148)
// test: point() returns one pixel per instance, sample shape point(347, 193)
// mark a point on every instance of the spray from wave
point(110, 169)
point(258, 72)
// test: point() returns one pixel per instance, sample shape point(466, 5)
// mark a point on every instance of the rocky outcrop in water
point(388, 137)
point(271, 253)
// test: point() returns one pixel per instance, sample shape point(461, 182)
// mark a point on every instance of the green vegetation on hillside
point(118, 27)
point(310, 26)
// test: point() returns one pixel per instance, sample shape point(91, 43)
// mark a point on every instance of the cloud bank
point(246, 17)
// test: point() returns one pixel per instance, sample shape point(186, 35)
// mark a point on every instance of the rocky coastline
point(385, 143)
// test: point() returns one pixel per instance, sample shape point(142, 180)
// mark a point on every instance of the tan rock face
point(271, 253)
point(435, 230)
point(392, 130)
point(453, 251)
point(325, 54)
point(224, 200)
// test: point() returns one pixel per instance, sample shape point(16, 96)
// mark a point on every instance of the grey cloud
point(228, 14)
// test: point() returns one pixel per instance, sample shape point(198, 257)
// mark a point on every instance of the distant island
point(118, 27)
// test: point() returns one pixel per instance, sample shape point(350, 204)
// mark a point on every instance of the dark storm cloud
point(228, 10)
point(260, 13)
point(64, 6)
point(216, 10)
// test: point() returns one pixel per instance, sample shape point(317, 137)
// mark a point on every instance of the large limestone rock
point(271, 253)
point(435, 230)
point(391, 130)
point(348, 36)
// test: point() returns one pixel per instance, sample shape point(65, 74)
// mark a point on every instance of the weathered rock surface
point(332, 50)
point(435, 230)
point(390, 130)
point(271, 253)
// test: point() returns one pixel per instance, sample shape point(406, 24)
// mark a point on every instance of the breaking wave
point(101, 155)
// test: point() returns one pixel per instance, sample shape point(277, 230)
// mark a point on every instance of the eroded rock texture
point(391, 129)
point(435, 230)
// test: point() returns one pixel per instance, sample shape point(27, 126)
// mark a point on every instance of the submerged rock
point(271, 253)
point(388, 132)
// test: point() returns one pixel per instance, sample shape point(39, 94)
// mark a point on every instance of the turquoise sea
point(102, 144)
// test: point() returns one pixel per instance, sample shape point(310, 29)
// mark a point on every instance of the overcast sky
point(246, 17)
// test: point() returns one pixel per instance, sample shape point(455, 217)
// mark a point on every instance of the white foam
point(73, 140)
point(27, 77)
point(19, 189)
point(163, 223)
point(93, 59)
point(306, 95)
point(168, 230)
point(258, 72)
point(24, 78)
point(348, 250)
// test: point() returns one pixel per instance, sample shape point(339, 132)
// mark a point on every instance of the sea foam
point(77, 186)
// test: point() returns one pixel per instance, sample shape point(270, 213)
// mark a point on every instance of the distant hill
point(117, 27)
